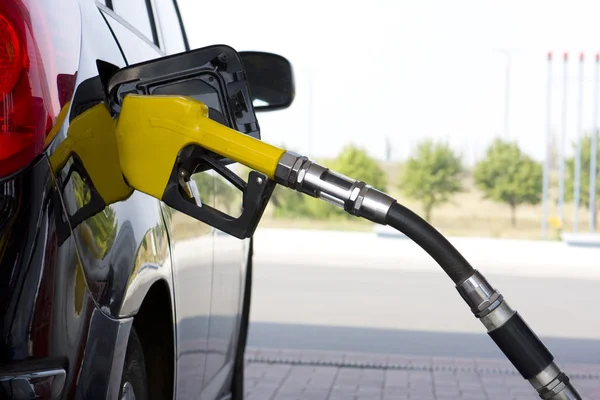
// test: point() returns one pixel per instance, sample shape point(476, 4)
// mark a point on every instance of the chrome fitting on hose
point(479, 294)
point(355, 197)
point(553, 384)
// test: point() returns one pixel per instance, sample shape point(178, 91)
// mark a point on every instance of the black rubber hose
point(430, 240)
point(522, 347)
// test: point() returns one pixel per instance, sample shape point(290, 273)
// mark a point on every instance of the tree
point(507, 175)
point(432, 175)
point(289, 203)
point(586, 156)
point(355, 163)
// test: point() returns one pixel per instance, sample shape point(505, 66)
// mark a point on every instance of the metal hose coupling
point(355, 197)
point(516, 340)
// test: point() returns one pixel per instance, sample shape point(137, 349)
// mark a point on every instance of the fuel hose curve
point(504, 325)
point(430, 240)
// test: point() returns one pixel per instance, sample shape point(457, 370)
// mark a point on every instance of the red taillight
point(26, 109)
point(10, 57)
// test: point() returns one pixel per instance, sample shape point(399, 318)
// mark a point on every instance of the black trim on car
point(181, 26)
point(113, 33)
point(152, 22)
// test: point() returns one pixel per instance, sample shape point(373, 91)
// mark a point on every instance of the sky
point(402, 71)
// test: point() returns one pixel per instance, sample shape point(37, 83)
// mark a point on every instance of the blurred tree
point(432, 175)
point(226, 197)
point(205, 182)
point(507, 175)
point(355, 163)
point(289, 203)
point(586, 156)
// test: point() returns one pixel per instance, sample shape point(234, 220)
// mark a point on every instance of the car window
point(173, 41)
point(137, 13)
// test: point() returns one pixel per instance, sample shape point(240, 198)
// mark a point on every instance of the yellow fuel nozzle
point(152, 130)
point(153, 134)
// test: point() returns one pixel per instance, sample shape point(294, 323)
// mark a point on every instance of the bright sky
point(412, 69)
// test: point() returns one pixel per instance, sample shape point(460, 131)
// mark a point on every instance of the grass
point(300, 223)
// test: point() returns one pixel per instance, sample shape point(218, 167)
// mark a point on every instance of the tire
point(134, 371)
point(237, 383)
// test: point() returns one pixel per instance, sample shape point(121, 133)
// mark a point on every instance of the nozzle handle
point(256, 195)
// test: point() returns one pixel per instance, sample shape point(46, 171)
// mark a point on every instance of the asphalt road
point(403, 304)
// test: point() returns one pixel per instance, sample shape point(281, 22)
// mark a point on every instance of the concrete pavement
point(312, 375)
point(502, 256)
point(358, 280)
point(322, 299)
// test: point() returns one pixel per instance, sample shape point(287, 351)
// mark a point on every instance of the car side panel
point(122, 249)
point(229, 272)
point(107, 241)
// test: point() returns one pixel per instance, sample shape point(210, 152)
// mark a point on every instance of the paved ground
point(412, 312)
point(329, 310)
point(356, 281)
point(281, 374)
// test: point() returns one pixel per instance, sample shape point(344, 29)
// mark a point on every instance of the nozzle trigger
point(256, 194)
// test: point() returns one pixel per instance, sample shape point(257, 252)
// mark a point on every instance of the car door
point(230, 261)
point(136, 24)
point(230, 253)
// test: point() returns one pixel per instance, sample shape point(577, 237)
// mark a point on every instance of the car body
point(72, 293)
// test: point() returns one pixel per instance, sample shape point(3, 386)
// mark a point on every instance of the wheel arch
point(155, 326)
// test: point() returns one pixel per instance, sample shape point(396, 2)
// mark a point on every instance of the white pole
point(563, 142)
point(593, 150)
point(547, 153)
point(507, 97)
point(577, 185)
point(310, 111)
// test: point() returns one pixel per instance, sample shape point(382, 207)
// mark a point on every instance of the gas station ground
point(282, 374)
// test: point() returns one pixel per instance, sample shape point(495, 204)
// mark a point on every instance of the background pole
point(594, 149)
point(577, 185)
point(547, 153)
point(563, 142)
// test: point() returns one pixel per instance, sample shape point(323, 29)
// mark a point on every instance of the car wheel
point(134, 383)
point(237, 384)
